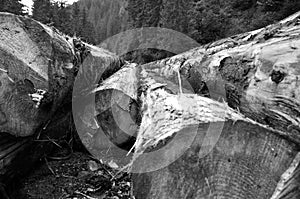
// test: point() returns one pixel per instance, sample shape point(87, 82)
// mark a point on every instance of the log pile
point(33, 57)
point(38, 66)
point(36, 75)
point(241, 141)
point(221, 120)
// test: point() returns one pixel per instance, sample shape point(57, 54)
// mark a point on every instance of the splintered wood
point(249, 80)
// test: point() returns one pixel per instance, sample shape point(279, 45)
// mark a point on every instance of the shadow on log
point(252, 82)
point(219, 121)
point(38, 67)
point(37, 74)
point(246, 162)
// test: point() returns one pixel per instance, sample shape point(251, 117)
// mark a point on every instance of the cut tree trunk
point(232, 108)
point(38, 67)
point(34, 60)
point(33, 57)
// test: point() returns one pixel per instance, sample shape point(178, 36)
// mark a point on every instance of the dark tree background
point(203, 20)
point(71, 20)
point(209, 20)
point(12, 6)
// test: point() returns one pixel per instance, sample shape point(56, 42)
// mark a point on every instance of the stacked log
point(219, 121)
point(37, 73)
point(38, 67)
point(235, 102)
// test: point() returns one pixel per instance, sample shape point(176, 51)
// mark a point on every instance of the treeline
point(12, 6)
point(70, 20)
point(109, 17)
point(203, 20)
point(209, 20)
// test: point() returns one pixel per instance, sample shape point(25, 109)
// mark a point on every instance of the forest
point(203, 20)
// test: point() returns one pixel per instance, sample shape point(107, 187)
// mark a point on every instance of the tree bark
point(247, 133)
point(37, 72)
point(35, 58)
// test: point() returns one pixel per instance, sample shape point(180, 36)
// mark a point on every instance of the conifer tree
point(76, 19)
point(12, 6)
point(61, 17)
point(152, 13)
point(208, 22)
point(175, 15)
point(144, 13)
point(87, 31)
point(41, 11)
point(135, 12)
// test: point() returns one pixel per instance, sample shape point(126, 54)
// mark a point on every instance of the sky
point(30, 2)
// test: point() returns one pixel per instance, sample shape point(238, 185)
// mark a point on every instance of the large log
point(38, 67)
point(33, 57)
point(37, 74)
point(237, 144)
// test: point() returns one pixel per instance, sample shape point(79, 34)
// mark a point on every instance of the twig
point(64, 195)
point(3, 70)
point(51, 140)
point(108, 171)
point(44, 128)
point(49, 167)
point(88, 197)
point(180, 83)
point(207, 182)
point(66, 176)
point(108, 149)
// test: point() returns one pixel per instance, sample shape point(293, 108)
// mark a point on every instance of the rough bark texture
point(34, 56)
point(239, 97)
point(243, 69)
point(104, 115)
point(257, 75)
point(288, 186)
point(243, 164)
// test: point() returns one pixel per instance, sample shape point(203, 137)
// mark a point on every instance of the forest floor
point(78, 177)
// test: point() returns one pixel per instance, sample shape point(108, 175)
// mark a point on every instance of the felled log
point(36, 74)
point(38, 67)
point(232, 108)
point(33, 57)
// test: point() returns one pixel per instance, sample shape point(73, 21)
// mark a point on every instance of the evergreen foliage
point(70, 20)
point(209, 20)
point(12, 6)
point(203, 20)
point(41, 11)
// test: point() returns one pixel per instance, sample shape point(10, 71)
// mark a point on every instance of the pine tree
point(76, 19)
point(174, 15)
point(12, 6)
point(152, 13)
point(243, 5)
point(61, 17)
point(289, 7)
point(208, 21)
point(135, 12)
point(65, 18)
point(144, 13)
point(87, 31)
point(54, 15)
point(41, 11)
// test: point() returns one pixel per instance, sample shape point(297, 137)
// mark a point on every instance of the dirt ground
point(77, 177)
